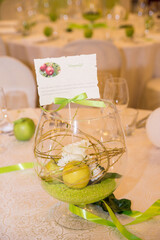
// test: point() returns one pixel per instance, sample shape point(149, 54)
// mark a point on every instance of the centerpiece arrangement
point(80, 150)
point(92, 10)
point(80, 154)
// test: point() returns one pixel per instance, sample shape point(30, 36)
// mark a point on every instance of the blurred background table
point(137, 55)
point(26, 209)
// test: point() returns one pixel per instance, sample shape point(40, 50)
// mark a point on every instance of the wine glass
point(103, 75)
point(5, 125)
point(4, 120)
point(44, 7)
point(116, 90)
point(16, 99)
point(26, 15)
point(3, 108)
point(76, 163)
point(142, 7)
point(92, 9)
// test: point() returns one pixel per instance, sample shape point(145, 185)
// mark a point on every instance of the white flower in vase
point(74, 151)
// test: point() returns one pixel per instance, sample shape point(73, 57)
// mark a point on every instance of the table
point(26, 209)
point(137, 56)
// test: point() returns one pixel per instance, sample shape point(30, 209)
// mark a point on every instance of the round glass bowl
point(80, 153)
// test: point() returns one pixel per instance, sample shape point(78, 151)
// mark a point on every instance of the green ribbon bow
point(79, 99)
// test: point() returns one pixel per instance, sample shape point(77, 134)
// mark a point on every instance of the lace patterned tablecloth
point(26, 210)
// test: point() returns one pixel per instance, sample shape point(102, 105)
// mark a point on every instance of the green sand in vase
point(87, 195)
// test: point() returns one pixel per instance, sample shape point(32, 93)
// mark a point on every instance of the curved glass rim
point(58, 116)
point(116, 80)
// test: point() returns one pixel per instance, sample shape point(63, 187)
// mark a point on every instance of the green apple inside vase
point(76, 174)
point(77, 153)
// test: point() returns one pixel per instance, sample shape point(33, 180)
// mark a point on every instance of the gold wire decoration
point(97, 154)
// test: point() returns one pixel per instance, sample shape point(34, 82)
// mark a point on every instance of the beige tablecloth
point(27, 210)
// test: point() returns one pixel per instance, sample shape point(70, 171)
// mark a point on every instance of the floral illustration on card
point(49, 69)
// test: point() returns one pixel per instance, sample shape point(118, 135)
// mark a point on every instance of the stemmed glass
point(44, 6)
point(92, 9)
point(4, 120)
point(26, 15)
point(5, 125)
point(103, 75)
point(3, 108)
point(75, 162)
point(116, 90)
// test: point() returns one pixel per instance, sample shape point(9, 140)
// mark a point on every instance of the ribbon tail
point(43, 109)
point(62, 105)
point(152, 211)
point(119, 226)
point(133, 214)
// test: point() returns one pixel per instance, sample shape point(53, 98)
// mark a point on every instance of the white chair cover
point(2, 48)
point(151, 96)
point(15, 76)
point(108, 56)
point(28, 52)
point(156, 71)
point(7, 10)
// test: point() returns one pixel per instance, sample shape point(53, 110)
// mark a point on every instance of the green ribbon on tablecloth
point(17, 167)
point(96, 219)
point(153, 210)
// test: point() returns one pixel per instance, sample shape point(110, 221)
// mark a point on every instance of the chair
point(15, 76)
point(108, 57)
point(2, 48)
point(8, 9)
point(151, 95)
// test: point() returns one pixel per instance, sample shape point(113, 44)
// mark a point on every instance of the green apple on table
point(24, 129)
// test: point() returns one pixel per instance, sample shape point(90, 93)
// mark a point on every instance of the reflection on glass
point(80, 156)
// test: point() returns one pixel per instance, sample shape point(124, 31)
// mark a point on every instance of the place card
point(66, 77)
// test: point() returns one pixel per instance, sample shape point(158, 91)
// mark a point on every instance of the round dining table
point(27, 210)
point(137, 54)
